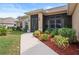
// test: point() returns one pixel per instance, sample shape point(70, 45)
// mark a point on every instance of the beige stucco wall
point(40, 21)
point(71, 7)
point(23, 23)
point(29, 23)
point(75, 20)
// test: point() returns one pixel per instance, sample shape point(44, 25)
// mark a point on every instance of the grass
point(10, 44)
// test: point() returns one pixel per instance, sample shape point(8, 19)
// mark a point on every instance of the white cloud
point(15, 10)
point(11, 10)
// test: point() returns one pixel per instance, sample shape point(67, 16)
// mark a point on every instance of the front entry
point(34, 23)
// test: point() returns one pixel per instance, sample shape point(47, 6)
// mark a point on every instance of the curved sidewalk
point(32, 46)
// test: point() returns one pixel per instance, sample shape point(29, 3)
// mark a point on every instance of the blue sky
point(18, 9)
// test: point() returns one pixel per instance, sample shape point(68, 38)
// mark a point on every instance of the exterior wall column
point(75, 21)
point(40, 21)
point(29, 23)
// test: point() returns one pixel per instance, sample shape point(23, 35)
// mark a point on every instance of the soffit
point(71, 8)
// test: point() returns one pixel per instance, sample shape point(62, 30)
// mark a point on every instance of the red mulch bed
point(73, 49)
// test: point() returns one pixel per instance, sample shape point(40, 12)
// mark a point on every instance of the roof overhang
point(35, 12)
point(57, 10)
point(71, 8)
point(22, 17)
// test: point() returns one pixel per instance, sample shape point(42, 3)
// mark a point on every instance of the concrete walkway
point(32, 46)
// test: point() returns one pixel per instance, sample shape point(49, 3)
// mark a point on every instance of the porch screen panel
point(34, 23)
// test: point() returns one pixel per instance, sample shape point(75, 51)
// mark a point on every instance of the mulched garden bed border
point(73, 49)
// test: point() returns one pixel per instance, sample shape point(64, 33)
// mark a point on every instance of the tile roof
point(8, 20)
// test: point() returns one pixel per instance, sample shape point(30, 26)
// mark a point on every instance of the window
point(58, 26)
point(52, 21)
point(52, 25)
point(55, 23)
point(58, 21)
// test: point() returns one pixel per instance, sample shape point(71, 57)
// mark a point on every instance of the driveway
point(32, 46)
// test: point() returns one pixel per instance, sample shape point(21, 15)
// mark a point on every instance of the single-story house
point(8, 22)
point(22, 21)
point(63, 16)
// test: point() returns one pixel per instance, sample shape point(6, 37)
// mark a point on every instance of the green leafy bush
point(61, 41)
point(13, 28)
point(43, 37)
point(68, 32)
point(54, 32)
point(18, 29)
point(3, 31)
point(37, 33)
point(48, 31)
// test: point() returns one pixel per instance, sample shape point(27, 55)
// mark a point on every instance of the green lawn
point(10, 44)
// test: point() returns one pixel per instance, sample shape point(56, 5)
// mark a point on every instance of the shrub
point(37, 33)
point(68, 32)
point(13, 28)
point(18, 29)
point(54, 32)
point(3, 31)
point(48, 31)
point(43, 37)
point(61, 41)
point(63, 32)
